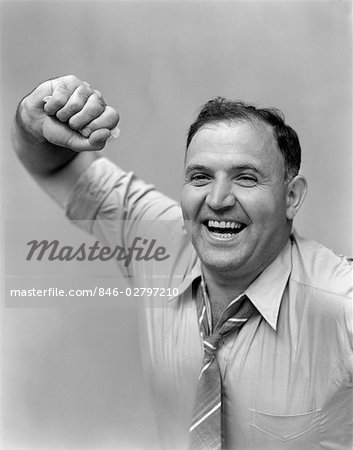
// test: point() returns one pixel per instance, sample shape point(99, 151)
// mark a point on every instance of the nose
point(220, 195)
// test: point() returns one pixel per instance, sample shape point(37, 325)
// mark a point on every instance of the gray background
point(67, 381)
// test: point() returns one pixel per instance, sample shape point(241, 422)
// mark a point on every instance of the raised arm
point(57, 130)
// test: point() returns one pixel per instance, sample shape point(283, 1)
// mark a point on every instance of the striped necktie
point(206, 428)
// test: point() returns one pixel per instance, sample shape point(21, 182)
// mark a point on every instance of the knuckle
point(97, 109)
point(82, 92)
point(68, 110)
point(95, 106)
point(71, 78)
point(62, 88)
point(97, 98)
point(57, 103)
point(74, 105)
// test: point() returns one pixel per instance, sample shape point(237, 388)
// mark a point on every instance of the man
point(272, 310)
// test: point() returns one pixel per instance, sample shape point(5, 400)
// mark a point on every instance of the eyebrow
point(195, 167)
point(237, 168)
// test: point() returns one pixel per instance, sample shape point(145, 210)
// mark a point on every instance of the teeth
point(223, 224)
point(224, 235)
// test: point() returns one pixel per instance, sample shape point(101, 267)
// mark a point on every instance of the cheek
point(263, 208)
point(273, 212)
point(190, 202)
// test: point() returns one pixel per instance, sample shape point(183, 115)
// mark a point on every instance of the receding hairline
point(233, 122)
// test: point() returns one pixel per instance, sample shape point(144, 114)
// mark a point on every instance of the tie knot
point(235, 316)
point(210, 344)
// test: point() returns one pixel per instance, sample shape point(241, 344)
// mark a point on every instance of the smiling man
point(241, 194)
point(255, 351)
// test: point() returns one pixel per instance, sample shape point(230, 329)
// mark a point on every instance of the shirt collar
point(196, 272)
point(266, 291)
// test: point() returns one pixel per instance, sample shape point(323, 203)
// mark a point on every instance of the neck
point(224, 289)
point(221, 291)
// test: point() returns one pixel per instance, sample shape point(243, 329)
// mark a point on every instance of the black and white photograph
point(176, 223)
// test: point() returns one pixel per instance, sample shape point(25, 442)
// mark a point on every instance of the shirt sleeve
point(125, 212)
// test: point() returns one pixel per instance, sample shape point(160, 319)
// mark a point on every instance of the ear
point(296, 192)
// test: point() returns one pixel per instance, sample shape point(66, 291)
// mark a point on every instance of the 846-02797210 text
point(96, 291)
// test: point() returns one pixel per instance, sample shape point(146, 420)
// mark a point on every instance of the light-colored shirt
point(287, 375)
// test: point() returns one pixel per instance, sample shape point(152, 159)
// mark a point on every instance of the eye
point(246, 180)
point(199, 179)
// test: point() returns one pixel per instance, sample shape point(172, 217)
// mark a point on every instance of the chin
point(220, 265)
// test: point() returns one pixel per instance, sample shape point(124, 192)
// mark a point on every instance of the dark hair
point(223, 110)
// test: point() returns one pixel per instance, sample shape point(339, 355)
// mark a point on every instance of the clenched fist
point(68, 113)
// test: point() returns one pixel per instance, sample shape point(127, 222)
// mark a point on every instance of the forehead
point(234, 143)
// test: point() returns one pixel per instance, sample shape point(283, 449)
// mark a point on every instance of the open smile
point(225, 229)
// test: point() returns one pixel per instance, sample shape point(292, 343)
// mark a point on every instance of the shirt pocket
point(285, 432)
